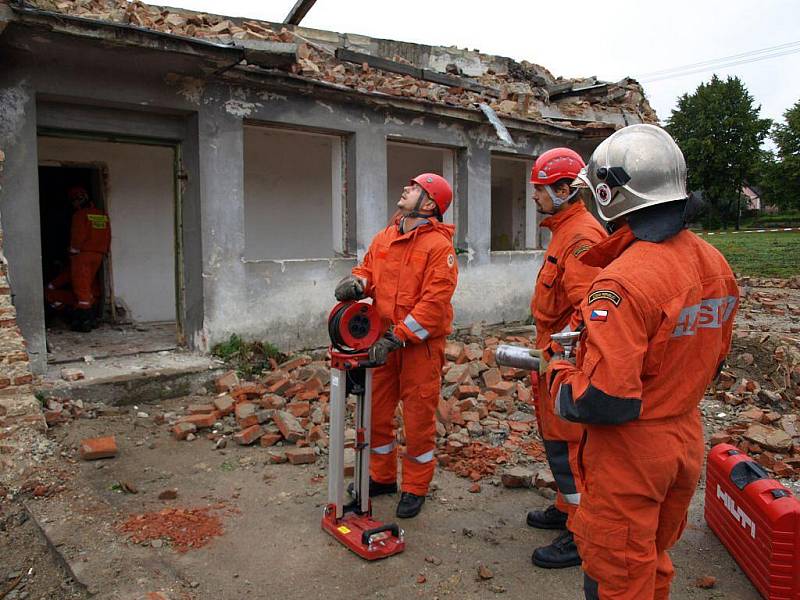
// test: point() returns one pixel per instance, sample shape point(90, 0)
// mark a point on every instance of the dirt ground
point(60, 516)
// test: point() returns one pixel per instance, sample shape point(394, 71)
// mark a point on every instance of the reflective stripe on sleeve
point(415, 328)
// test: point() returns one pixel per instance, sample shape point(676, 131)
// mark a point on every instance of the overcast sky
point(609, 39)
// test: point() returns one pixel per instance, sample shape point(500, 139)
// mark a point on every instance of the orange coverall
point(659, 321)
point(561, 285)
point(411, 277)
point(90, 238)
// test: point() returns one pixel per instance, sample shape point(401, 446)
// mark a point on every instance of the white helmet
point(636, 167)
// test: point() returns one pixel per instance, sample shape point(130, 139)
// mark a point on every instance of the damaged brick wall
point(17, 404)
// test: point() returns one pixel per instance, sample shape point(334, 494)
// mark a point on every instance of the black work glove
point(350, 288)
point(379, 351)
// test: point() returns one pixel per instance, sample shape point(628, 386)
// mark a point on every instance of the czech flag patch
point(599, 315)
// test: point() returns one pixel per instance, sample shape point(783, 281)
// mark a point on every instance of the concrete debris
point(506, 87)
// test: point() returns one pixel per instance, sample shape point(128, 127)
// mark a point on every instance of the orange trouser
point(83, 268)
point(412, 375)
point(561, 442)
point(639, 480)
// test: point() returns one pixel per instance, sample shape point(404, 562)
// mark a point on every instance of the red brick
point(467, 391)
point(488, 357)
point(307, 396)
point(201, 409)
point(23, 380)
point(720, 437)
point(226, 381)
point(182, 430)
point(290, 427)
point(470, 415)
point(294, 363)
point(52, 417)
point(100, 447)
point(246, 414)
point(443, 411)
point(249, 435)
point(201, 421)
point(294, 390)
point(224, 405)
point(454, 351)
point(317, 433)
point(270, 439)
point(248, 391)
point(17, 357)
point(299, 409)
point(272, 401)
point(313, 384)
point(280, 386)
point(503, 388)
point(8, 323)
point(276, 456)
point(491, 377)
point(301, 456)
point(4, 382)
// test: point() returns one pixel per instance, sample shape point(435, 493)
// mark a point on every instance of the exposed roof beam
point(300, 9)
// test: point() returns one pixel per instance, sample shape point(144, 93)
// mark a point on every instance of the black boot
point(82, 320)
point(560, 554)
point(376, 488)
point(409, 505)
point(549, 518)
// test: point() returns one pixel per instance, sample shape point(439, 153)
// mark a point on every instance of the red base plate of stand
point(354, 531)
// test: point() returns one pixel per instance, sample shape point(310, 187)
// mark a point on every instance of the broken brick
point(299, 409)
point(247, 436)
point(201, 421)
point(225, 382)
point(201, 409)
point(301, 456)
point(246, 414)
point(100, 447)
point(270, 439)
point(223, 405)
point(290, 427)
point(280, 386)
point(181, 430)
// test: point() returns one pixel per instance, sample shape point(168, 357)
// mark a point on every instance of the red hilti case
point(757, 519)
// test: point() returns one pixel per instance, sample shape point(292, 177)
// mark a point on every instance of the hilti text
point(738, 514)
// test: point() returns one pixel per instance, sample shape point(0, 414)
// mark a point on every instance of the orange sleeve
point(79, 230)
point(364, 270)
point(606, 385)
point(431, 316)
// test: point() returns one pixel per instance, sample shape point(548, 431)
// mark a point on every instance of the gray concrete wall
point(226, 290)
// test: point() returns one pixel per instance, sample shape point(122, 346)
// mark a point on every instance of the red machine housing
point(370, 539)
point(757, 519)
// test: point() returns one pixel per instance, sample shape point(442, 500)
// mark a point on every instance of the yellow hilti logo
point(738, 514)
point(98, 221)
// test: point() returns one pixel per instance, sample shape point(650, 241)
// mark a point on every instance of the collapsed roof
point(429, 74)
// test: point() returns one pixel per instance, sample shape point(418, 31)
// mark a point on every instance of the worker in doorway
point(658, 325)
point(411, 272)
point(90, 238)
point(561, 285)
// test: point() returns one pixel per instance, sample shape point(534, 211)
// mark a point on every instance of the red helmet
point(437, 189)
point(78, 192)
point(555, 165)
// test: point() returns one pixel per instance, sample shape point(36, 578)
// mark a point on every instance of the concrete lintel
point(268, 54)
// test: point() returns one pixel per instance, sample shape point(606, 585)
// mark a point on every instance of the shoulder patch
point(581, 249)
point(609, 295)
point(451, 260)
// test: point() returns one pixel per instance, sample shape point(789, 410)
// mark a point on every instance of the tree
point(720, 133)
point(780, 179)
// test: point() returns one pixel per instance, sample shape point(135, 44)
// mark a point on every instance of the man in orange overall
point(411, 272)
point(561, 285)
point(90, 238)
point(658, 325)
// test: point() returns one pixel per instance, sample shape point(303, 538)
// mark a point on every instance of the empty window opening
point(133, 290)
point(512, 207)
point(404, 161)
point(293, 189)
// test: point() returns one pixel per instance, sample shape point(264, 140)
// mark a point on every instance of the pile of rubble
point(522, 90)
point(485, 421)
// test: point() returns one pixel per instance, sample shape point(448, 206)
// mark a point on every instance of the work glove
point(379, 351)
point(542, 355)
point(350, 288)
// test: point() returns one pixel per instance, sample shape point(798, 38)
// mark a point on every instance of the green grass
point(248, 358)
point(770, 254)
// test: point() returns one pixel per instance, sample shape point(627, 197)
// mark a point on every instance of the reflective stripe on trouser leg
point(419, 391)
point(558, 458)
point(385, 396)
point(590, 590)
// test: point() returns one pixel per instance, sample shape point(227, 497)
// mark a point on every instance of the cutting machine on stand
point(353, 327)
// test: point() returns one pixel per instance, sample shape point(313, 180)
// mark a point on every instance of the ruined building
point(247, 165)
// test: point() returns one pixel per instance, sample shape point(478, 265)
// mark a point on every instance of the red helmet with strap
point(555, 165)
point(437, 189)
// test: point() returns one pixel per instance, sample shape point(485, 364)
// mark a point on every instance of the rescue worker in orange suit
point(90, 238)
point(410, 271)
point(59, 294)
point(658, 324)
point(561, 285)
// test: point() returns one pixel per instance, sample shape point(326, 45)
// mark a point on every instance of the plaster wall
point(141, 206)
point(288, 194)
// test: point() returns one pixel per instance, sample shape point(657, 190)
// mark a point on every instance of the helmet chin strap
point(415, 212)
point(558, 202)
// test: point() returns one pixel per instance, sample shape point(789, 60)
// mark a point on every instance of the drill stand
point(352, 524)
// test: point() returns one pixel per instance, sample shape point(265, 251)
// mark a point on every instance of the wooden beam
point(299, 10)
